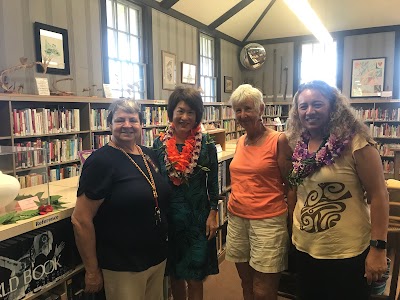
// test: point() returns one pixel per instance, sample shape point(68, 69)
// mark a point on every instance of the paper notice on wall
point(42, 85)
point(107, 90)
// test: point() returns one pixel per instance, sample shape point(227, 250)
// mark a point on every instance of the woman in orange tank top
point(257, 239)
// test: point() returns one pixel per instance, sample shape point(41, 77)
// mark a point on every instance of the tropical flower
point(180, 165)
point(305, 163)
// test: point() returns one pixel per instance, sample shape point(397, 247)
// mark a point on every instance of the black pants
point(331, 279)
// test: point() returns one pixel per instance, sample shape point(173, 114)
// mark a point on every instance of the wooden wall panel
point(230, 66)
point(369, 46)
point(82, 20)
point(174, 36)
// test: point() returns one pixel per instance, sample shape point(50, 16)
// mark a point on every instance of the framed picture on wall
point(367, 77)
point(168, 70)
point(188, 73)
point(228, 84)
point(51, 45)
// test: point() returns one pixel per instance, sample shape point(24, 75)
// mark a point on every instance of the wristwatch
point(379, 244)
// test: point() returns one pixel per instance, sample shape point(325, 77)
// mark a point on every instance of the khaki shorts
point(263, 243)
point(143, 285)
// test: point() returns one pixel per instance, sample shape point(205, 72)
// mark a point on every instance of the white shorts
point(263, 243)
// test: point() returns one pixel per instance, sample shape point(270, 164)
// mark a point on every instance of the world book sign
point(31, 261)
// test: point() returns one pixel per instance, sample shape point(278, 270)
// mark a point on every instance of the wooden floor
point(226, 285)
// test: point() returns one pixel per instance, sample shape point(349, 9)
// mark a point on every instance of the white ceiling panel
point(280, 22)
point(240, 24)
point(204, 11)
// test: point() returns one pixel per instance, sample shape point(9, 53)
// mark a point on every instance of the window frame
point(209, 92)
point(335, 64)
point(140, 85)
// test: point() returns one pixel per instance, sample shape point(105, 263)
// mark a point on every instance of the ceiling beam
point(167, 4)
point(177, 15)
point(259, 20)
point(230, 13)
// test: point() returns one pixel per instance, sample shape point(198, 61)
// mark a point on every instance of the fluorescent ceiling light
point(303, 10)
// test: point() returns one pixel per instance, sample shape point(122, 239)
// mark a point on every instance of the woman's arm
point(285, 166)
point(212, 185)
point(85, 238)
point(369, 170)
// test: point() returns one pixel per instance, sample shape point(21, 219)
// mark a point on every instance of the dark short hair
point(129, 106)
point(191, 97)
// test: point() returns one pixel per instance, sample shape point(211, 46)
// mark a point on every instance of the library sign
point(33, 260)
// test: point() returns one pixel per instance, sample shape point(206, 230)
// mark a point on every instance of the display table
point(65, 188)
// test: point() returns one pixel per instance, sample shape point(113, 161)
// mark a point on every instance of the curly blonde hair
point(343, 121)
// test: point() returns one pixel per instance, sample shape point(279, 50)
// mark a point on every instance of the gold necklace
point(150, 179)
point(249, 143)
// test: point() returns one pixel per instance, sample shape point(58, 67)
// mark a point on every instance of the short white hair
point(244, 92)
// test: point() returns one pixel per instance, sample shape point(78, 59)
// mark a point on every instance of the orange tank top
point(257, 185)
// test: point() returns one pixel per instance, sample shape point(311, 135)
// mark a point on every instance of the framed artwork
point(228, 84)
point(367, 77)
point(168, 70)
point(188, 73)
point(51, 45)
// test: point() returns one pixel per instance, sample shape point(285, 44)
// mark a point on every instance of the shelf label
point(160, 102)
point(46, 221)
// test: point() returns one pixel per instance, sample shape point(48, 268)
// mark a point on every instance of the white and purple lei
point(305, 163)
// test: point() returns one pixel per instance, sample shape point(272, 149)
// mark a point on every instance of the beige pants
point(144, 285)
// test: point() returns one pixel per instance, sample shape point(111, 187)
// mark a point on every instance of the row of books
point(31, 179)
point(233, 135)
point(148, 136)
point(388, 166)
point(55, 151)
point(63, 172)
point(98, 119)
point(385, 130)
point(211, 113)
point(223, 180)
point(227, 112)
point(273, 110)
point(38, 121)
point(385, 149)
point(155, 115)
point(378, 114)
point(99, 140)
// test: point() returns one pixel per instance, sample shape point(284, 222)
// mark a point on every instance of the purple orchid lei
point(305, 163)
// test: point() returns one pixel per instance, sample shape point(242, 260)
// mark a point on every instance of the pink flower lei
point(305, 163)
point(181, 165)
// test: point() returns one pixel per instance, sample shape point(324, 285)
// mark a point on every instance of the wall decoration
point(367, 77)
point(188, 73)
point(168, 70)
point(228, 84)
point(51, 44)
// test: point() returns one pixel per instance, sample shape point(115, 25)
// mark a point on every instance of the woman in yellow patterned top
point(340, 239)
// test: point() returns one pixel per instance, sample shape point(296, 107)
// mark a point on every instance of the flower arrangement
point(180, 165)
point(305, 163)
point(43, 208)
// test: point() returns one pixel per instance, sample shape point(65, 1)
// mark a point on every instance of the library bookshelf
point(383, 119)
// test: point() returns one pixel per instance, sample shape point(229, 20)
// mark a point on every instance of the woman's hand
point(211, 224)
point(375, 264)
point(93, 281)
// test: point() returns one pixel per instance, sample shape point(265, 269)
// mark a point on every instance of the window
point(318, 61)
point(125, 56)
point(207, 68)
